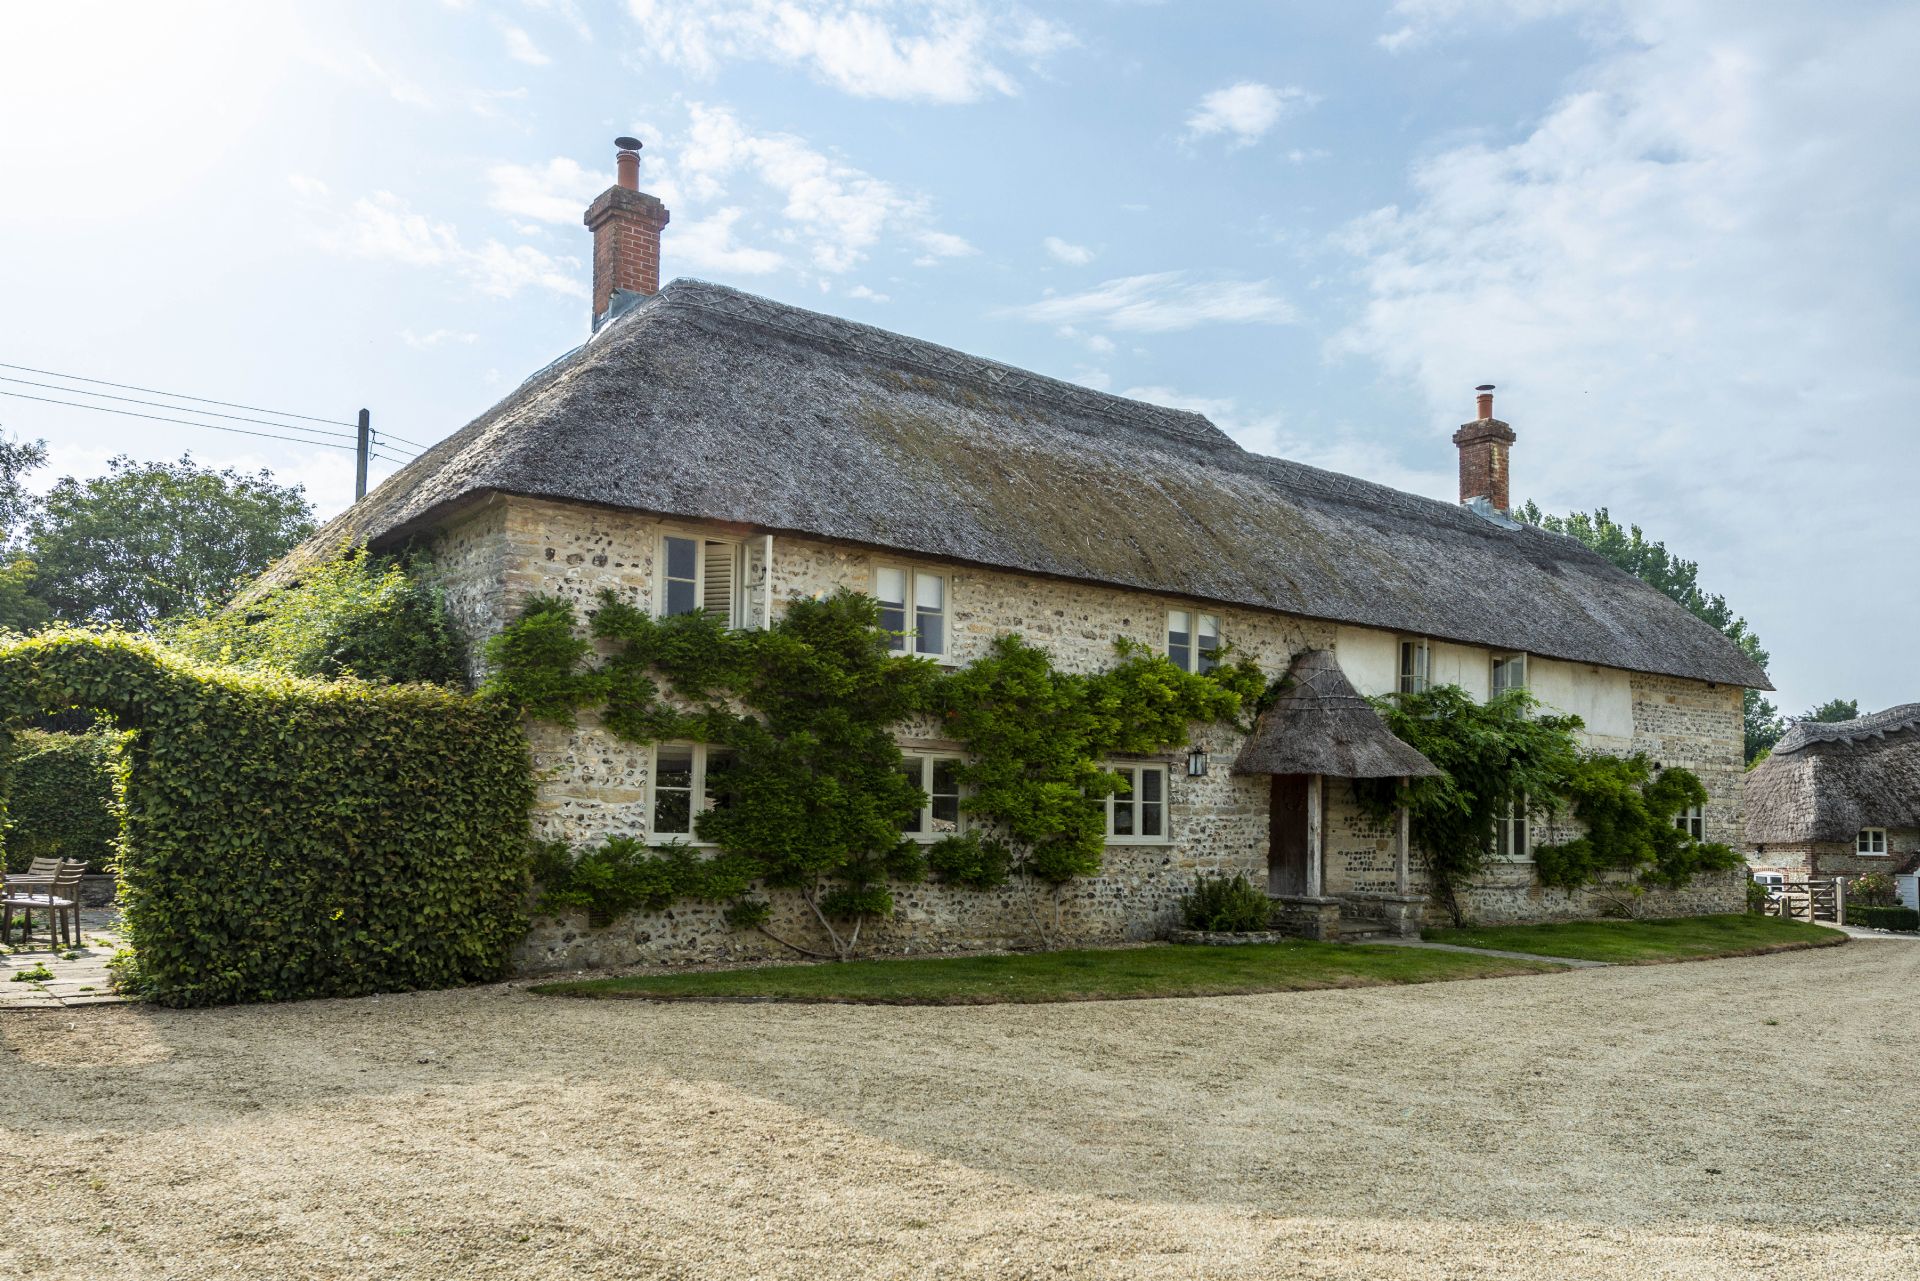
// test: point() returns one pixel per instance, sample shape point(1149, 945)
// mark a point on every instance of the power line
point(155, 391)
point(154, 404)
point(185, 422)
point(403, 440)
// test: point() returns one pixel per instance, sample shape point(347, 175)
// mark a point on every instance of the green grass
point(1090, 975)
point(1687, 938)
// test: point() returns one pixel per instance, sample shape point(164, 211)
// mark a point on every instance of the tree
point(1832, 711)
point(149, 541)
point(17, 458)
point(1649, 561)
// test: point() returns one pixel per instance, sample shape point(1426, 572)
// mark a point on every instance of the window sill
point(1136, 842)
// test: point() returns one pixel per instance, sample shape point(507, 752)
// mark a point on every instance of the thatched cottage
point(709, 449)
point(1838, 799)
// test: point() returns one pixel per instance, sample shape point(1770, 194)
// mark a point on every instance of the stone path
point(1488, 951)
point(79, 974)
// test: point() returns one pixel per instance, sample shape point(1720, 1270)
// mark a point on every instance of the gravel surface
point(1620, 1122)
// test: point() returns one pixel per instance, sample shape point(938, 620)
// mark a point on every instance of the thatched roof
point(706, 402)
point(1321, 725)
point(1824, 782)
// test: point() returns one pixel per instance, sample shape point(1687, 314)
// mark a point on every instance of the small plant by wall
point(816, 797)
point(1226, 903)
point(290, 838)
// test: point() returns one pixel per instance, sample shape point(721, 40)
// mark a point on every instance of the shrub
point(1629, 808)
point(61, 799)
point(1874, 889)
point(971, 859)
point(1759, 898)
point(1230, 904)
point(624, 875)
point(287, 838)
point(1883, 918)
point(368, 616)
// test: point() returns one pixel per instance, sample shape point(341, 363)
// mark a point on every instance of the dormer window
point(1872, 842)
point(1192, 640)
point(700, 575)
point(913, 608)
point(1416, 666)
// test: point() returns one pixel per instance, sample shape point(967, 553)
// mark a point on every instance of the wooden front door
point(1288, 846)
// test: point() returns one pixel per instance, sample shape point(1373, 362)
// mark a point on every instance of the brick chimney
point(626, 223)
point(1484, 443)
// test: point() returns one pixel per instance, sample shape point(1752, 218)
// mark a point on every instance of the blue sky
point(1680, 236)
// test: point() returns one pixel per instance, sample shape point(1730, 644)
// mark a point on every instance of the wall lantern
point(1197, 762)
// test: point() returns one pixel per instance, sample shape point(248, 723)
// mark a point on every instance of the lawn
point(1686, 938)
point(1089, 975)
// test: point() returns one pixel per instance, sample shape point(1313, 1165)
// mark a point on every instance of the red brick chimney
point(1483, 444)
point(626, 224)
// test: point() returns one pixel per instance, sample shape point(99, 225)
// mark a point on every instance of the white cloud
point(1063, 251)
point(707, 244)
point(933, 50)
point(436, 338)
point(1691, 281)
point(367, 69)
point(944, 244)
point(520, 45)
point(385, 227)
point(1245, 111)
point(558, 191)
point(307, 184)
point(1163, 302)
point(867, 295)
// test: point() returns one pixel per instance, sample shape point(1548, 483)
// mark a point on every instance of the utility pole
point(360, 457)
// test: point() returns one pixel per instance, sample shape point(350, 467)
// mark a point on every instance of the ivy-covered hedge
point(287, 838)
point(1883, 918)
point(60, 799)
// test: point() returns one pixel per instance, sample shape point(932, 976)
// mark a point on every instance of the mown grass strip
point(1105, 974)
point(1687, 938)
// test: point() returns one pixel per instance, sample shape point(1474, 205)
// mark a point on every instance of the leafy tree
point(1832, 711)
point(149, 541)
point(359, 615)
point(20, 609)
point(1628, 547)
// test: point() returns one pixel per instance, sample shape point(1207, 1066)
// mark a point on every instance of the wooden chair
point(60, 896)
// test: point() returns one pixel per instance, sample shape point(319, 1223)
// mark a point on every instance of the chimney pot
point(1484, 446)
point(1485, 400)
point(626, 224)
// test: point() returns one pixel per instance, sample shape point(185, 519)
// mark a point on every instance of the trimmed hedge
point(287, 838)
point(1883, 918)
point(60, 799)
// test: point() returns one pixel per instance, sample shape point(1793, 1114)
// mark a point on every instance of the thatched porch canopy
point(1322, 725)
point(1824, 782)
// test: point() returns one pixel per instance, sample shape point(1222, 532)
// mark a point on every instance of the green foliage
point(1651, 562)
point(20, 609)
point(62, 799)
point(17, 458)
point(1759, 898)
point(973, 859)
point(360, 615)
point(624, 875)
point(1883, 918)
point(1833, 711)
point(149, 541)
point(1226, 903)
point(1629, 809)
point(1873, 889)
point(287, 838)
point(815, 795)
point(1496, 755)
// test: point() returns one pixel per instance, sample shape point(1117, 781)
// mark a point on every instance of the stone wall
point(593, 785)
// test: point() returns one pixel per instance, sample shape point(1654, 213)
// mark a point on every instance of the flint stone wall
point(592, 785)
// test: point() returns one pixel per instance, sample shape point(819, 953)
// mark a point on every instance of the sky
point(1679, 235)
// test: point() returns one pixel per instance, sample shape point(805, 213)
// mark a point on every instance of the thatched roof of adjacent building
point(1321, 725)
point(1824, 782)
point(706, 402)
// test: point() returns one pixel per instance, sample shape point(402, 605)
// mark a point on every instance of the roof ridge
point(874, 342)
point(1890, 720)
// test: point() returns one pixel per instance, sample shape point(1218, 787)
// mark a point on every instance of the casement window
point(1137, 813)
point(701, 575)
point(1872, 842)
point(1192, 639)
point(939, 778)
point(1509, 672)
point(1772, 880)
point(1511, 839)
point(688, 780)
point(1693, 821)
point(1416, 666)
point(913, 606)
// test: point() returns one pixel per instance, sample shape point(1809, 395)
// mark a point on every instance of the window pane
point(946, 780)
point(674, 766)
point(673, 790)
point(1206, 640)
point(1123, 804)
point(680, 597)
point(1179, 640)
point(1152, 803)
point(682, 554)
point(911, 772)
point(946, 815)
point(1150, 784)
point(930, 630)
point(929, 591)
point(890, 585)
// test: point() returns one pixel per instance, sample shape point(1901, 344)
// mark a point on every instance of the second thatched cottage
point(709, 449)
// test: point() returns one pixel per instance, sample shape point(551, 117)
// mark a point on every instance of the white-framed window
point(1512, 841)
point(1193, 639)
point(1416, 666)
point(939, 778)
point(1509, 672)
point(700, 575)
point(1772, 880)
point(1872, 842)
point(688, 780)
point(913, 606)
point(1137, 813)
point(1693, 821)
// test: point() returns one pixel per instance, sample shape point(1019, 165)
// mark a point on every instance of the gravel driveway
point(1629, 1122)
